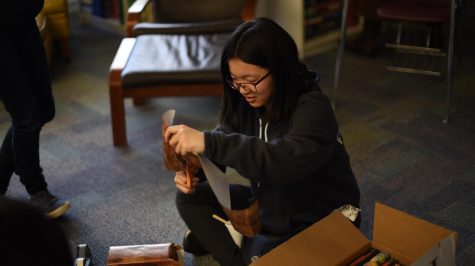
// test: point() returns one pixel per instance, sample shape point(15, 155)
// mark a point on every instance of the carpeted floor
point(401, 152)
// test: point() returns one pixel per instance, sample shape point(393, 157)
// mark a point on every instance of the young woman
point(277, 129)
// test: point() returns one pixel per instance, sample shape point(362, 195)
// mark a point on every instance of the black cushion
point(174, 59)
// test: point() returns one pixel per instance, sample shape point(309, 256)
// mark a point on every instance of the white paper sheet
point(217, 180)
point(168, 116)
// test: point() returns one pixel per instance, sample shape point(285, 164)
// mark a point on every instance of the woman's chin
point(254, 104)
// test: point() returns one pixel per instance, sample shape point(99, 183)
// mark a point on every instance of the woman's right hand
point(180, 182)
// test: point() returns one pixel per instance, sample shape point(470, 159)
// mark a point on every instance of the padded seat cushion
point(417, 11)
point(173, 59)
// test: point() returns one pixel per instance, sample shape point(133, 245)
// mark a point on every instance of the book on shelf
point(114, 10)
point(97, 8)
point(322, 7)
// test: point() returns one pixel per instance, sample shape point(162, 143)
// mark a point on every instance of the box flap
point(405, 233)
point(333, 240)
point(441, 254)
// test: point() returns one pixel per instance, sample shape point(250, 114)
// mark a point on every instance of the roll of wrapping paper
point(188, 163)
point(154, 254)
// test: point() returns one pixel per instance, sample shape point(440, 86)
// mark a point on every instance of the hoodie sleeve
point(301, 152)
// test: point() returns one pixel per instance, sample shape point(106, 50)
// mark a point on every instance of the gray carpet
point(400, 151)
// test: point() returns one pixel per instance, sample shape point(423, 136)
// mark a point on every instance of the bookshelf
point(313, 24)
point(109, 15)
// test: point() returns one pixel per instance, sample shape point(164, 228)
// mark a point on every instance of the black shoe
point(192, 245)
point(49, 204)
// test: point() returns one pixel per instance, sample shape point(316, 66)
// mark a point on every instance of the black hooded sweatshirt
point(299, 169)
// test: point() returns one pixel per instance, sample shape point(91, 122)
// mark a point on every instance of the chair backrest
point(197, 10)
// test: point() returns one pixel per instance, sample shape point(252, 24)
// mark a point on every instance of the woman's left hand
point(185, 139)
point(180, 182)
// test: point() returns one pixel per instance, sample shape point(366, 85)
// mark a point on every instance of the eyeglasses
point(249, 87)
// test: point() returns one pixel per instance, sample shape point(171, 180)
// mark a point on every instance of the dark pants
point(26, 94)
point(197, 209)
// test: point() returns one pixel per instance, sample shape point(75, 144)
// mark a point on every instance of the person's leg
point(28, 99)
point(7, 164)
point(38, 74)
point(255, 247)
point(27, 160)
point(197, 209)
point(21, 58)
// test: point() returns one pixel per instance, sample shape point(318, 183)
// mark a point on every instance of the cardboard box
point(335, 241)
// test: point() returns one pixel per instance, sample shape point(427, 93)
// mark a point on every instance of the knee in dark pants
point(203, 195)
point(27, 124)
point(180, 199)
point(186, 202)
point(48, 112)
point(48, 117)
point(30, 119)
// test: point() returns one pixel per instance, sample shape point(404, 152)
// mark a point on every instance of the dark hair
point(29, 238)
point(264, 43)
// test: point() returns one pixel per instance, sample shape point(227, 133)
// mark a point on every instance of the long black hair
point(264, 43)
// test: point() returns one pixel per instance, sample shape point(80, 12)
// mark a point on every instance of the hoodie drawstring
point(265, 139)
point(265, 130)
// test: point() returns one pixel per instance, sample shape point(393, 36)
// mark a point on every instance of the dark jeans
point(26, 93)
point(197, 209)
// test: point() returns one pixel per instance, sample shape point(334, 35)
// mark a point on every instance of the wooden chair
point(178, 55)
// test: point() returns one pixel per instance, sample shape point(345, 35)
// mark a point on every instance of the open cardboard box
point(335, 241)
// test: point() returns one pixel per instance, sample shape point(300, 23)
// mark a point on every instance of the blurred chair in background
point(56, 12)
point(433, 55)
point(177, 55)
